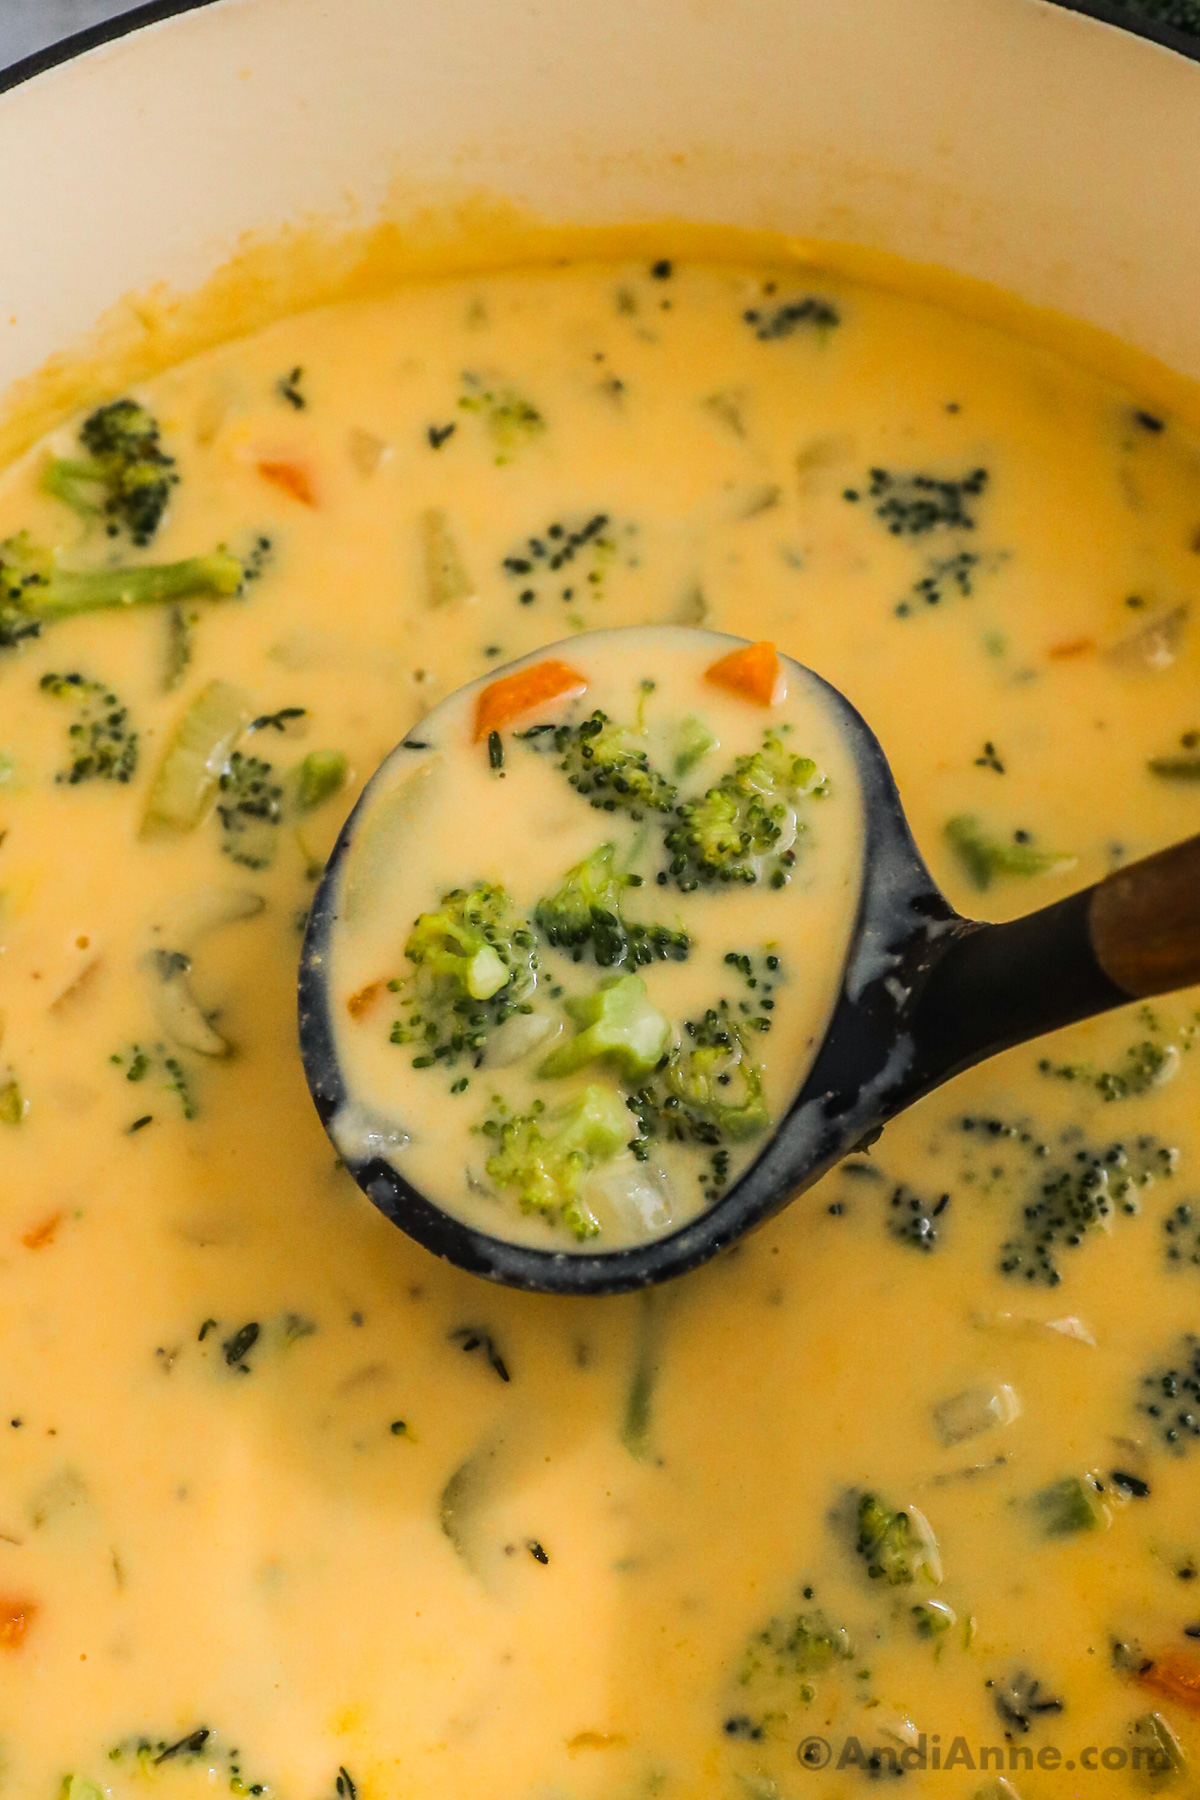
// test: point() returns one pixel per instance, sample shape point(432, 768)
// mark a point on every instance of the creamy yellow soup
point(908, 1480)
point(587, 935)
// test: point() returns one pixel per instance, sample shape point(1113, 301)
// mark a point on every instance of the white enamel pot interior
point(1032, 146)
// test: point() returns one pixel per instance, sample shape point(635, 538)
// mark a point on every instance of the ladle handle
point(1144, 922)
point(1134, 934)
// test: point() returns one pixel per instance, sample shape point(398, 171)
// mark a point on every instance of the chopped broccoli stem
point(13, 1104)
point(35, 592)
point(897, 1547)
point(545, 1157)
point(321, 775)
point(745, 826)
point(126, 477)
point(693, 741)
point(585, 918)
point(618, 1027)
point(984, 857)
point(1067, 1506)
point(103, 745)
point(638, 1411)
point(474, 966)
point(1176, 768)
point(78, 1787)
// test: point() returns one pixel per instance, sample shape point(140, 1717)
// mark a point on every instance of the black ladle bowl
point(925, 993)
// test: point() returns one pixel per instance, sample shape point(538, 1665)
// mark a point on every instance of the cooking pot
point(1032, 147)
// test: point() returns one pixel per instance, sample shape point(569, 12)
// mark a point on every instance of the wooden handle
point(1144, 922)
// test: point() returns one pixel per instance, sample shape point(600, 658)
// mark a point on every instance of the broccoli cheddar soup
point(903, 1489)
point(616, 1038)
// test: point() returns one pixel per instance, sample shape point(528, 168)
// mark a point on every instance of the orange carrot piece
point(365, 998)
point(753, 673)
point(1073, 647)
point(291, 478)
point(506, 699)
point(16, 1616)
point(42, 1234)
point(1175, 1677)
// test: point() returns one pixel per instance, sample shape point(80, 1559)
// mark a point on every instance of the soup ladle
point(925, 993)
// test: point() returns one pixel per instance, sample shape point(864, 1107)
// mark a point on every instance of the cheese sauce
point(554, 1056)
point(906, 1482)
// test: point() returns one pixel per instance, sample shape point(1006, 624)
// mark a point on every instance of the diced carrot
point(365, 998)
point(1073, 647)
point(291, 478)
point(1175, 1677)
point(43, 1234)
point(753, 673)
point(506, 699)
point(16, 1616)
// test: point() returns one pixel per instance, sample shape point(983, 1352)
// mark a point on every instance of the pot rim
point(155, 12)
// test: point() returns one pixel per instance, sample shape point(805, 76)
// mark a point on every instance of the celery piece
point(13, 1106)
point(188, 776)
point(446, 578)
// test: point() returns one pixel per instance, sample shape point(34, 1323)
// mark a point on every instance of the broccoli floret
point(126, 477)
point(1170, 1399)
point(618, 1026)
point(35, 592)
point(249, 806)
point(745, 826)
point(802, 1644)
point(714, 1075)
point(321, 775)
point(912, 504)
point(710, 1092)
point(545, 1157)
point(984, 857)
point(897, 1547)
point(1021, 1700)
point(607, 764)
point(1071, 1200)
point(104, 747)
point(511, 421)
point(584, 917)
point(474, 966)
